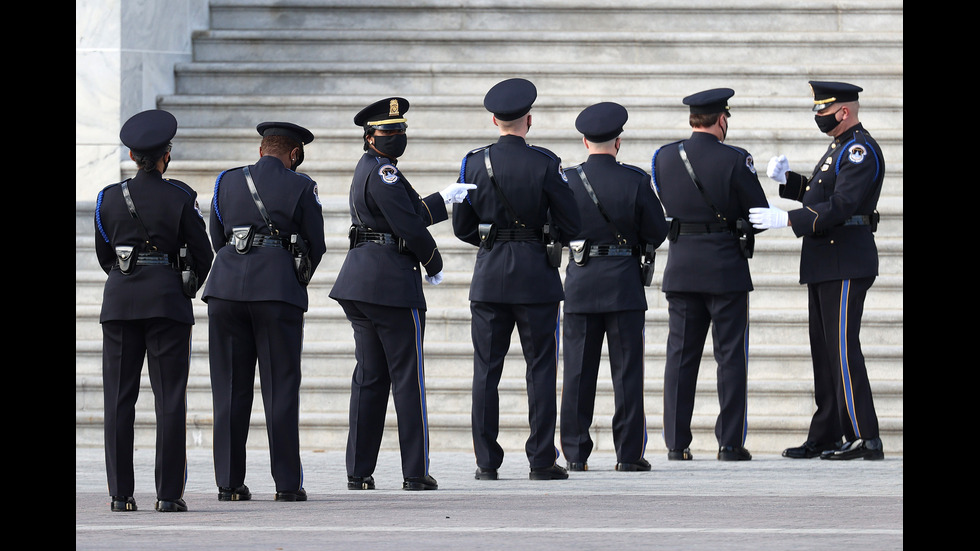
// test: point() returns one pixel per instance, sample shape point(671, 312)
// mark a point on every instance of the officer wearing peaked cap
point(520, 190)
point(707, 188)
point(380, 289)
point(604, 290)
point(141, 225)
point(267, 230)
point(838, 263)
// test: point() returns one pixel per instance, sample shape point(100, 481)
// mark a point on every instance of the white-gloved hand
point(777, 168)
point(767, 218)
point(456, 193)
point(435, 280)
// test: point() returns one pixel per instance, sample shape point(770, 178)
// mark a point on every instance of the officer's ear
point(494, 119)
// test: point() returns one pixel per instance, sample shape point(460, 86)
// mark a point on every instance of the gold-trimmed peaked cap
point(826, 94)
point(385, 114)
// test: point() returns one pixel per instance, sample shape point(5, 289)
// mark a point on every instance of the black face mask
point(826, 123)
point(392, 146)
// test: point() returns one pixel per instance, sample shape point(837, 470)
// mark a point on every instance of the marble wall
point(125, 51)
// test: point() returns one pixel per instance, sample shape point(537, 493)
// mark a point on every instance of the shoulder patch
point(750, 164)
point(388, 173)
point(856, 153)
point(316, 194)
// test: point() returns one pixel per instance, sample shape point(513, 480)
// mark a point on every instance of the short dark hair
point(279, 145)
point(703, 120)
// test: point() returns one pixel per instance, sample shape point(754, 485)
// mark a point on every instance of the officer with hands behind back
point(267, 230)
point(151, 240)
point(838, 263)
point(520, 215)
point(707, 187)
point(380, 289)
point(622, 225)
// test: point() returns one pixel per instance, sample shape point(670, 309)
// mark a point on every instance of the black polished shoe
point(733, 453)
point(296, 495)
point(420, 483)
point(554, 472)
point(810, 450)
point(360, 482)
point(486, 474)
point(859, 449)
point(240, 493)
point(171, 505)
point(680, 455)
point(640, 465)
point(573, 466)
point(122, 503)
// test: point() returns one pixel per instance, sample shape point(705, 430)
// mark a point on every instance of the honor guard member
point(520, 215)
point(604, 290)
point(838, 264)
point(380, 290)
point(150, 239)
point(267, 231)
point(707, 188)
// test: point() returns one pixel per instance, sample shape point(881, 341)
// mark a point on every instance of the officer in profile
point(267, 231)
point(622, 224)
point(838, 264)
point(520, 215)
point(707, 188)
point(151, 241)
point(380, 289)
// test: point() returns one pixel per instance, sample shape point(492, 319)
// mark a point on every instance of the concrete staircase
point(317, 63)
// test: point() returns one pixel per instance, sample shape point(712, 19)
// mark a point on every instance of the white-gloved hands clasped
point(435, 280)
point(456, 193)
point(777, 168)
point(767, 218)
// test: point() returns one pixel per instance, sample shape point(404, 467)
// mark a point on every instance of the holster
point(578, 250)
point(746, 237)
point(552, 246)
point(301, 258)
point(647, 266)
point(673, 230)
point(488, 234)
point(241, 236)
point(188, 277)
point(126, 255)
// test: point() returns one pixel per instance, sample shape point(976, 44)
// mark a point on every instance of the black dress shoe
point(360, 482)
point(810, 450)
point(640, 465)
point(296, 495)
point(733, 453)
point(420, 483)
point(859, 449)
point(554, 472)
point(573, 466)
point(122, 503)
point(171, 505)
point(240, 493)
point(486, 474)
point(680, 455)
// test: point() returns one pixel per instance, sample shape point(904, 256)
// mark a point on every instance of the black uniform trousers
point(241, 333)
point(537, 327)
point(166, 344)
point(689, 316)
point(841, 388)
point(582, 338)
point(389, 355)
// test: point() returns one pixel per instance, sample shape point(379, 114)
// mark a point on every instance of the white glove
point(777, 168)
point(766, 218)
point(456, 193)
point(435, 280)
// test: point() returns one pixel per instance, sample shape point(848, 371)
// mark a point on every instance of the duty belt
point(699, 228)
point(613, 250)
point(380, 238)
point(152, 259)
point(263, 240)
point(523, 234)
point(863, 220)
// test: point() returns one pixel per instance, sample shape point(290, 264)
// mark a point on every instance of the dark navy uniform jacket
point(530, 177)
point(707, 263)
point(169, 211)
point(612, 283)
point(846, 182)
point(382, 199)
point(265, 273)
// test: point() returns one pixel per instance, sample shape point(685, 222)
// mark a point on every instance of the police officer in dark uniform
point(267, 230)
point(604, 290)
point(707, 188)
point(838, 263)
point(380, 290)
point(141, 227)
point(521, 189)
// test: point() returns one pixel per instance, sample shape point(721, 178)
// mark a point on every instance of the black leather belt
point(263, 240)
point(376, 237)
point(613, 250)
point(863, 220)
point(523, 234)
point(700, 228)
point(152, 259)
